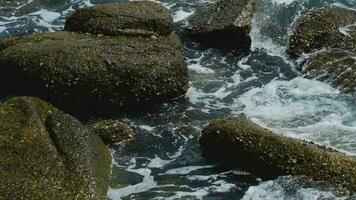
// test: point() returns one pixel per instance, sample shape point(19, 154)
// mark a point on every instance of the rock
point(113, 131)
point(84, 74)
point(238, 142)
point(323, 28)
point(336, 66)
point(224, 25)
point(329, 36)
point(47, 154)
point(133, 18)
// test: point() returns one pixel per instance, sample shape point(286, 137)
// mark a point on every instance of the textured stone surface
point(225, 25)
point(82, 74)
point(238, 142)
point(133, 18)
point(47, 154)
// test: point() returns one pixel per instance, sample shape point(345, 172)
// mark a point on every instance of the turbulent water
point(165, 162)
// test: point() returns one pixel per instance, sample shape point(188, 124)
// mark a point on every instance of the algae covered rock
point(83, 74)
point(47, 154)
point(323, 28)
point(238, 142)
point(336, 66)
point(225, 25)
point(133, 18)
point(113, 131)
point(328, 35)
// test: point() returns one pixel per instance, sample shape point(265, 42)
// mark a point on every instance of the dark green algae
point(332, 57)
point(47, 154)
point(132, 18)
point(320, 29)
point(237, 142)
point(84, 73)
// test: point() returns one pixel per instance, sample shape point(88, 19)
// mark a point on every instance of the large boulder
point(225, 25)
point(47, 154)
point(323, 28)
point(238, 142)
point(328, 36)
point(133, 18)
point(83, 73)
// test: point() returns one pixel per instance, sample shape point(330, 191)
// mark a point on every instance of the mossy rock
point(237, 142)
point(321, 29)
point(113, 131)
point(224, 25)
point(335, 66)
point(47, 154)
point(132, 18)
point(84, 74)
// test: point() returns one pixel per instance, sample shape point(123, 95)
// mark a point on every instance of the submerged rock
point(47, 154)
point(238, 142)
point(323, 28)
point(83, 74)
point(328, 35)
point(224, 25)
point(336, 66)
point(133, 18)
point(113, 131)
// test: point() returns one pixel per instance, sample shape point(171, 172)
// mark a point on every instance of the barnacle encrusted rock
point(324, 28)
point(133, 18)
point(83, 74)
point(335, 66)
point(225, 25)
point(328, 36)
point(47, 154)
point(94, 74)
point(113, 131)
point(238, 142)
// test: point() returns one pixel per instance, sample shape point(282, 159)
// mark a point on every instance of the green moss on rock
point(321, 29)
point(83, 73)
point(225, 25)
point(336, 66)
point(46, 154)
point(113, 131)
point(133, 18)
point(240, 143)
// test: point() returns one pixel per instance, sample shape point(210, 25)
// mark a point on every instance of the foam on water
point(305, 109)
point(288, 188)
point(221, 84)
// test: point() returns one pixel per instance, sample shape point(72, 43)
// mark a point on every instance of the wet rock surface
point(224, 25)
point(133, 18)
point(113, 131)
point(47, 154)
point(237, 142)
point(328, 35)
point(323, 28)
point(84, 74)
point(335, 66)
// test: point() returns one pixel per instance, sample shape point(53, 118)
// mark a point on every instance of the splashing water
point(165, 162)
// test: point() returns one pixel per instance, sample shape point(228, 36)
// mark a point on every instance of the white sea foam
point(147, 183)
point(305, 109)
point(286, 188)
point(181, 14)
point(286, 2)
point(186, 170)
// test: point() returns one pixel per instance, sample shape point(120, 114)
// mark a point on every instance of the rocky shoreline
point(117, 58)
